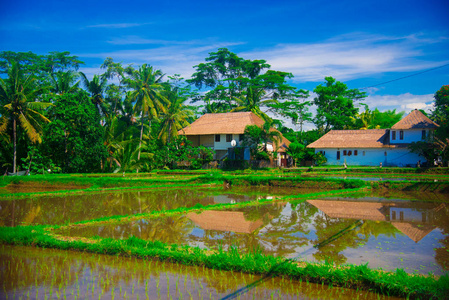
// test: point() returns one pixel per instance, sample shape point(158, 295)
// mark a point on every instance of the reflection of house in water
point(224, 221)
point(415, 220)
point(234, 198)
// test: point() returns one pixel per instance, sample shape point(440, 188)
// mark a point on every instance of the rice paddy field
point(211, 235)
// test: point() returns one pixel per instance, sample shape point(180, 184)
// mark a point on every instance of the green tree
point(64, 82)
point(146, 87)
point(252, 100)
point(237, 84)
point(74, 138)
point(257, 138)
point(440, 114)
point(176, 116)
point(115, 70)
point(127, 156)
point(335, 105)
point(295, 108)
point(374, 119)
point(96, 88)
point(18, 106)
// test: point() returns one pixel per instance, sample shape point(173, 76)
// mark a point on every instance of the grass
point(397, 283)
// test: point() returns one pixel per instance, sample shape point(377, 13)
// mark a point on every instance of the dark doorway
point(338, 155)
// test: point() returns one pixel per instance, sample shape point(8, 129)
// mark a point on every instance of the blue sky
point(362, 43)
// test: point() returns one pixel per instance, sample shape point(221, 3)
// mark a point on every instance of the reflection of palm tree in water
point(286, 233)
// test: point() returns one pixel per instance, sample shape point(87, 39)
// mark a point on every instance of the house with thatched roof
point(373, 147)
point(224, 131)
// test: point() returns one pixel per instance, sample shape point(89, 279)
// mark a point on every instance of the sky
point(365, 44)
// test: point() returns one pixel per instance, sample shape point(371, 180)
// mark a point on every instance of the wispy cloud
point(178, 58)
point(404, 102)
point(349, 56)
point(117, 25)
point(137, 40)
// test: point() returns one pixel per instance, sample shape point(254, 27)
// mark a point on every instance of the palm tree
point(64, 82)
point(252, 100)
point(17, 105)
point(176, 117)
point(145, 87)
point(128, 156)
point(96, 88)
point(256, 136)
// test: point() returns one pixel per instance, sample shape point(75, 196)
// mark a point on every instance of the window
point(423, 135)
point(349, 153)
point(217, 137)
point(401, 135)
point(338, 155)
point(228, 138)
point(355, 153)
point(385, 153)
point(241, 137)
point(363, 153)
point(393, 215)
point(344, 152)
point(393, 135)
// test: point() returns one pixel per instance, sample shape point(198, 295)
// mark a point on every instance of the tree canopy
point(335, 105)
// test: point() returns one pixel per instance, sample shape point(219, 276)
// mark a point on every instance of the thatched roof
point(371, 138)
point(228, 123)
point(414, 231)
point(351, 210)
point(415, 120)
point(224, 123)
point(373, 211)
point(224, 221)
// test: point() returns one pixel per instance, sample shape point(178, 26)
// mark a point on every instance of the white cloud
point(137, 40)
point(347, 57)
point(171, 59)
point(404, 102)
point(117, 25)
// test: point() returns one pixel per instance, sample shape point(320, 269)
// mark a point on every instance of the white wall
point(410, 135)
point(372, 157)
point(222, 144)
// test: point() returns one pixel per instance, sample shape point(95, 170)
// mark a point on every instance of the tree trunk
point(14, 130)
point(140, 142)
point(168, 142)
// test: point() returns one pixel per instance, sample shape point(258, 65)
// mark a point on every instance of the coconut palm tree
point(64, 82)
point(96, 88)
point(176, 116)
point(18, 106)
point(145, 87)
point(252, 100)
point(128, 156)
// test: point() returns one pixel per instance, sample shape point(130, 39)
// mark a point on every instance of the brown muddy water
point(385, 233)
point(33, 273)
point(69, 208)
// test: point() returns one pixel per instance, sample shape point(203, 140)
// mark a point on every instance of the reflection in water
point(409, 235)
point(34, 273)
point(58, 210)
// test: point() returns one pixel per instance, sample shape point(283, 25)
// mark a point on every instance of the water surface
point(387, 234)
point(35, 273)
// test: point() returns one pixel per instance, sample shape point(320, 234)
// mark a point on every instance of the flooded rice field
point(33, 273)
point(69, 208)
point(385, 233)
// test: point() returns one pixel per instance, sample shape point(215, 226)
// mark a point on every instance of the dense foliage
point(127, 119)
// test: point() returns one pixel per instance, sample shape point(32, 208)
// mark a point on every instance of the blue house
point(373, 147)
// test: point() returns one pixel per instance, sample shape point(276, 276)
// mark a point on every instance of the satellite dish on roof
point(233, 143)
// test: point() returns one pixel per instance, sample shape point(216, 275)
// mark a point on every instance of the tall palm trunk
point(14, 130)
point(141, 136)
